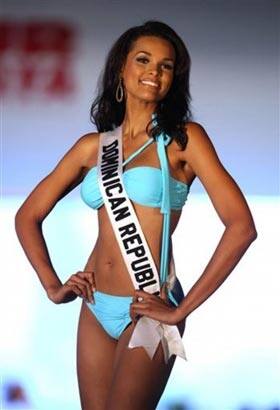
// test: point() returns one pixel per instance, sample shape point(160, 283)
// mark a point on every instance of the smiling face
point(149, 68)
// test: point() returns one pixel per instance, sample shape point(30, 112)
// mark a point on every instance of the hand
point(80, 284)
point(155, 307)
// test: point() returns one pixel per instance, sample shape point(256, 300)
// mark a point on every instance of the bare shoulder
point(199, 147)
point(196, 133)
point(193, 126)
point(86, 148)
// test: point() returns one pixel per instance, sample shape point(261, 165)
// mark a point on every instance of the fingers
point(144, 303)
point(89, 275)
point(90, 284)
point(82, 284)
point(74, 288)
point(140, 304)
point(136, 301)
point(140, 295)
point(134, 316)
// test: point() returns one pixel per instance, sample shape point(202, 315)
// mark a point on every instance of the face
point(149, 68)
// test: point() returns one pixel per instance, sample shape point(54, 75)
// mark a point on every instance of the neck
point(136, 120)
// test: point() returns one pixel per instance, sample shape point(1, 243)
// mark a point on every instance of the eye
point(167, 66)
point(142, 59)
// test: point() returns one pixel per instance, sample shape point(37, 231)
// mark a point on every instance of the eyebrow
point(146, 52)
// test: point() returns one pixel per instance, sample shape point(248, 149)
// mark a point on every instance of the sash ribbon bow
point(149, 332)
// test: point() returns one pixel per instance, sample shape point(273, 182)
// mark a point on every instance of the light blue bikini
point(148, 186)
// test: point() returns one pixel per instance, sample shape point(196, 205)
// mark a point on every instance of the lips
point(150, 83)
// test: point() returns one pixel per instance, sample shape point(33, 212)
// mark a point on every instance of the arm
point(29, 218)
point(233, 211)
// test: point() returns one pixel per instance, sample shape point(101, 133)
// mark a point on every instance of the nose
point(154, 69)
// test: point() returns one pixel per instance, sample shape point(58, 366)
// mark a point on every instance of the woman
point(144, 99)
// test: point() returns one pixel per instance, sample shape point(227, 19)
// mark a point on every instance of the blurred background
point(51, 54)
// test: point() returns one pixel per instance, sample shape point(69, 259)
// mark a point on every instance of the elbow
point(252, 234)
point(248, 232)
point(22, 217)
point(18, 217)
point(21, 214)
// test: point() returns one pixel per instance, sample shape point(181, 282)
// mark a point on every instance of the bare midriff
point(111, 274)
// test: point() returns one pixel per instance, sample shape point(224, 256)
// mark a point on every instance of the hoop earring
point(119, 91)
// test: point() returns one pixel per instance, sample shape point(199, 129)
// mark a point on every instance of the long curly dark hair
point(172, 112)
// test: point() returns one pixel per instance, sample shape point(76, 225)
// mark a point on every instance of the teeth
point(149, 83)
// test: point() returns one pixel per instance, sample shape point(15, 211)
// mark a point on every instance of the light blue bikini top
point(149, 186)
point(144, 185)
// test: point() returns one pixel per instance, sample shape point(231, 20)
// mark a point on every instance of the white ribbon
point(149, 332)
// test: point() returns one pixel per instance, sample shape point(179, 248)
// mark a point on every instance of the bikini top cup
point(147, 186)
point(144, 185)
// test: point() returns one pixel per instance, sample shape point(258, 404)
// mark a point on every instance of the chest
point(150, 158)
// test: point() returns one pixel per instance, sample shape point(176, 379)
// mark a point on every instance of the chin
point(149, 97)
point(146, 96)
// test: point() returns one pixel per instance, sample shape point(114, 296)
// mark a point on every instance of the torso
point(111, 275)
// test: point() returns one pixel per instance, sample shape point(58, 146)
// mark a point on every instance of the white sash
point(133, 245)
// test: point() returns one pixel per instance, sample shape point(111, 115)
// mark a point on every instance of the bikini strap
point(138, 151)
point(165, 208)
point(162, 141)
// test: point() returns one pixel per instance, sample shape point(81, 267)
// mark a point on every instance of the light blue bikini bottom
point(112, 311)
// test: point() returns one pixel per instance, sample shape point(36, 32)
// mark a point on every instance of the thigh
point(95, 357)
point(138, 382)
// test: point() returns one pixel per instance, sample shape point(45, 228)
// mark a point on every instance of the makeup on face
point(150, 64)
